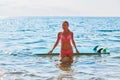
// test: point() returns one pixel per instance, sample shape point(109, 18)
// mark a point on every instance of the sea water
point(21, 36)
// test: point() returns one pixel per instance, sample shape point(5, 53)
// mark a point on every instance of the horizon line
point(54, 16)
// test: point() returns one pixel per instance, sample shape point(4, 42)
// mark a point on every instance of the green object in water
point(104, 50)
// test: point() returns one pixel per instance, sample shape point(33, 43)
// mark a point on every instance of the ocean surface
point(21, 36)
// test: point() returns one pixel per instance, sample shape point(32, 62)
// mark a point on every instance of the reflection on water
point(67, 76)
point(65, 64)
point(68, 71)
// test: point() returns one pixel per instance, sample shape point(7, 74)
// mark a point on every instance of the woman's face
point(65, 26)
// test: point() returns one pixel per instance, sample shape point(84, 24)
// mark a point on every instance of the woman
point(66, 38)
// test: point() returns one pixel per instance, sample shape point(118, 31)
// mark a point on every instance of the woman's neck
point(65, 31)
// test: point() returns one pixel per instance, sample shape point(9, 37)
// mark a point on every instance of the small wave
point(15, 39)
point(117, 36)
point(26, 30)
point(86, 62)
point(31, 75)
point(40, 47)
point(16, 72)
point(116, 57)
point(115, 40)
point(39, 41)
point(108, 30)
point(103, 34)
point(96, 78)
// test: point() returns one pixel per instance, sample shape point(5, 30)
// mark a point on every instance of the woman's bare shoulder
point(71, 32)
point(59, 33)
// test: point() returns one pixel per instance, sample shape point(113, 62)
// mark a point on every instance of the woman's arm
point(73, 42)
point(56, 43)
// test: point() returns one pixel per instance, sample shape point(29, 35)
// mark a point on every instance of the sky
point(59, 8)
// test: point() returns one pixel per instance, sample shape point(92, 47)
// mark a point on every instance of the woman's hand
point(50, 52)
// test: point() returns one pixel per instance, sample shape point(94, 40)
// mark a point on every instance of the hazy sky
point(59, 7)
